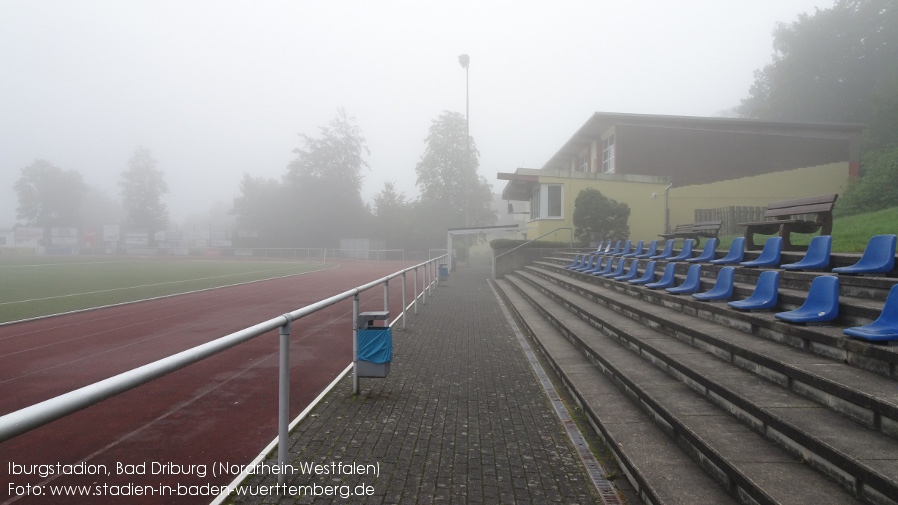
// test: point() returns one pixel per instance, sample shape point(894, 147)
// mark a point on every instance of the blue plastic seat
point(575, 261)
point(618, 270)
point(666, 253)
point(765, 295)
point(723, 286)
point(878, 257)
point(611, 251)
point(635, 252)
point(691, 283)
point(667, 278)
point(707, 253)
point(604, 270)
point(597, 267)
point(685, 253)
point(581, 260)
point(647, 277)
point(770, 255)
point(599, 248)
point(625, 249)
point(632, 273)
point(816, 257)
point(734, 255)
point(588, 264)
point(885, 327)
point(651, 250)
point(821, 305)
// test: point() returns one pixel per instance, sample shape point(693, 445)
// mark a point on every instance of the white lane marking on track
point(72, 295)
point(108, 350)
point(38, 265)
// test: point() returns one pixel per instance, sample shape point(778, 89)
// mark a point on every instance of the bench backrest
point(810, 205)
point(707, 226)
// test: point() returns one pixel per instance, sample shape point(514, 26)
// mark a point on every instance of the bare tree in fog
point(99, 208)
point(324, 184)
point(394, 219)
point(453, 194)
point(49, 196)
point(260, 211)
point(142, 186)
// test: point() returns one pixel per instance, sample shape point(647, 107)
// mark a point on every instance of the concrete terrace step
point(654, 464)
point(751, 468)
point(824, 340)
point(865, 396)
point(863, 460)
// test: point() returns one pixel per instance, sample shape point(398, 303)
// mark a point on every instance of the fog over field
point(216, 89)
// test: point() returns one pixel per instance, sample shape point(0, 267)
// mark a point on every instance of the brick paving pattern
point(460, 419)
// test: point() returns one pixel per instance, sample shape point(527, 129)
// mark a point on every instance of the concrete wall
point(757, 190)
point(646, 196)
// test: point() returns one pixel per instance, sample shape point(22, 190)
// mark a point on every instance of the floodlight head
point(464, 59)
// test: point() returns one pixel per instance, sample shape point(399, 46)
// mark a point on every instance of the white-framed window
point(547, 202)
point(583, 161)
point(608, 154)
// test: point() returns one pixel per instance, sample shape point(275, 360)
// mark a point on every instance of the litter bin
point(375, 345)
point(444, 272)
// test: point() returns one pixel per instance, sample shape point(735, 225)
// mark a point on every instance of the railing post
point(355, 343)
point(431, 279)
point(404, 311)
point(415, 290)
point(387, 295)
point(284, 400)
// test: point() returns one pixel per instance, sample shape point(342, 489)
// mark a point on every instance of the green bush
point(876, 189)
point(597, 217)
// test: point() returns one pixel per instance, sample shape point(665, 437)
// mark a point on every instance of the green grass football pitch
point(42, 285)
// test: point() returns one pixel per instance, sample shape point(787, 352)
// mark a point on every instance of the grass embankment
point(850, 234)
point(33, 286)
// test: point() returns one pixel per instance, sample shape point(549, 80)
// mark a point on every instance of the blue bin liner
point(376, 344)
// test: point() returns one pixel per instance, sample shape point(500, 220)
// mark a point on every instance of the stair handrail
point(515, 248)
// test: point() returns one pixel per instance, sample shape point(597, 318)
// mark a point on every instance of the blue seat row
point(821, 305)
point(878, 256)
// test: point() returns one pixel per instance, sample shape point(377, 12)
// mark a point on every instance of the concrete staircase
point(701, 403)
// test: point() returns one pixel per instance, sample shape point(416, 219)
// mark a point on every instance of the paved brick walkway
point(461, 419)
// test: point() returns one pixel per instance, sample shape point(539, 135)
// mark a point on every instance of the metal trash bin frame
point(374, 345)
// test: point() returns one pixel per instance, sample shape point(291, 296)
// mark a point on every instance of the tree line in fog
point(318, 199)
point(315, 203)
point(51, 197)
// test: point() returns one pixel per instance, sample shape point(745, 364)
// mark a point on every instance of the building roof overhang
point(601, 122)
point(520, 186)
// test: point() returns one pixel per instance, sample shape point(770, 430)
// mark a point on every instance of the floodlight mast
point(465, 61)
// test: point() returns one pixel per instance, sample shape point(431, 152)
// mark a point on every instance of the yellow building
point(667, 167)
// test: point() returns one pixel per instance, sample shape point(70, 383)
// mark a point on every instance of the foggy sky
point(218, 88)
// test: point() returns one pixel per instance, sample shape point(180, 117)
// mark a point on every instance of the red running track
point(219, 410)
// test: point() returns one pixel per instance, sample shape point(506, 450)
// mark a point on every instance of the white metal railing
point(39, 414)
point(556, 230)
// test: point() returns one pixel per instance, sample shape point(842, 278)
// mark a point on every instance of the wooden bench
point(707, 229)
point(787, 219)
